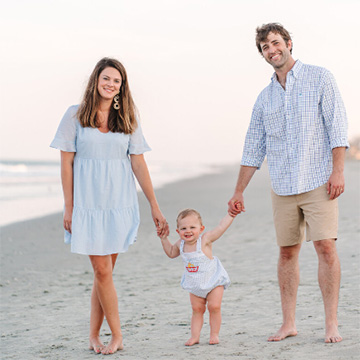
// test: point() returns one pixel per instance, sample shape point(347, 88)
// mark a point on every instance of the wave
point(30, 189)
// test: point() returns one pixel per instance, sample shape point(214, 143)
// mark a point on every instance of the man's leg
point(329, 281)
point(288, 274)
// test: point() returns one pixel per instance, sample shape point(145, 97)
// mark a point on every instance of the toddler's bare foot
point(214, 339)
point(284, 332)
point(114, 345)
point(96, 344)
point(192, 341)
point(332, 334)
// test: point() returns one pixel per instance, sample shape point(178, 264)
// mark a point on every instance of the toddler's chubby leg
point(198, 305)
point(214, 299)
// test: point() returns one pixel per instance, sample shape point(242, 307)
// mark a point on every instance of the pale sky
point(193, 67)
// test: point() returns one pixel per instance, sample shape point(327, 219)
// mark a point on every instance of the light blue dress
point(106, 212)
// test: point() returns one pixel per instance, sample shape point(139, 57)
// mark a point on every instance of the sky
point(193, 67)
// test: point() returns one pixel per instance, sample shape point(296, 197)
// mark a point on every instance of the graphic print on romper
point(192, 268)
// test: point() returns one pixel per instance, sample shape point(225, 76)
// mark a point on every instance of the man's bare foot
point(214, 339)
point(114, 345)
point(283, 333)
point(192, 341)
point(332, 334)
point(96, 344)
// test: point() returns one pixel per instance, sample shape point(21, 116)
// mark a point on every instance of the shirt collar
point(295, 70)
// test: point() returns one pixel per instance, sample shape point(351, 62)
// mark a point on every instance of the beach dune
point(45, 290)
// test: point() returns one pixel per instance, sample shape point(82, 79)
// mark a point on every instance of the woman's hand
point(67, 175)
point(68, 218)
point(162, 227)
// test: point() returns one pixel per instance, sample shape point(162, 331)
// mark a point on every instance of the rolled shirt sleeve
point(255, 142)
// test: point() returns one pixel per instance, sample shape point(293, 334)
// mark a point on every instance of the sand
point(45, 290)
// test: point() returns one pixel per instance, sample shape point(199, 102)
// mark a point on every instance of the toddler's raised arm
point(214, 234)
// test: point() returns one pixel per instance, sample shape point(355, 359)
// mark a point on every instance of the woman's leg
point(198, 305)
point(214, 299)
point(97, 316)
point(96, 320)
point(107, 297)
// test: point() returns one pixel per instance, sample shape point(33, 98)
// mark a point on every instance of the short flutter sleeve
point(65, 137)
point(138, 144)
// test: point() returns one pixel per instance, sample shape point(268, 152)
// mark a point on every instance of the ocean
point(31, 189)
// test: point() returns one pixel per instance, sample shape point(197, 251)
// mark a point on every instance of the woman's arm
point(141, 172)
point(67, 179)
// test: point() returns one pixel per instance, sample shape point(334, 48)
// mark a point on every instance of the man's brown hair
point(263, 31)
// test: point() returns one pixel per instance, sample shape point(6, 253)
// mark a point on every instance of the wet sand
point(45, 290)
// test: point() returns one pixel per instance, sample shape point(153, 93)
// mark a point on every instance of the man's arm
point(336, 182)
point(236, 203)
point(335, 121)
point(253, 156)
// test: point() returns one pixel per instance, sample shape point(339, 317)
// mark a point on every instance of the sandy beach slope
point(45, 290)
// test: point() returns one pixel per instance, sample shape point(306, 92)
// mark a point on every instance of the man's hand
point(336, 184)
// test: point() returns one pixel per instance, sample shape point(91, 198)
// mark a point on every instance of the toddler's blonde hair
point(184, 213)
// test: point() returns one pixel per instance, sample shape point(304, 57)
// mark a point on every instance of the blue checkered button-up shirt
point(296, 129)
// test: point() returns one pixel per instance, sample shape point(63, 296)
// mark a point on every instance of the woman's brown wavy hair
point(122, 120)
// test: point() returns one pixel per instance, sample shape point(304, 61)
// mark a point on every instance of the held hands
point(236, 204)
point(163, 234)
point(162, 227)
point(336, 184)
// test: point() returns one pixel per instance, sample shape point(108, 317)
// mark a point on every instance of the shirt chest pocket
point(275, 124)
point(309, 93)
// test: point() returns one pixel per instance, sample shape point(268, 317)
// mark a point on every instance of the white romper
point(201, 274)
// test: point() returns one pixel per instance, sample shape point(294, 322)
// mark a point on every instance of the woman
point(102, 147)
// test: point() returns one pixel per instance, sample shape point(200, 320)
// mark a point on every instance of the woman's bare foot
point(283, 333)
point(332, 334)
point(96, 344)
point(214, 339)
point(192, 341)
point(114, 345)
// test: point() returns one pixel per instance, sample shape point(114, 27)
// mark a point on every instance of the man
point(299, 123)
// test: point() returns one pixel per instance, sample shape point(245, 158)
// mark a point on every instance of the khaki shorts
point(312, 209)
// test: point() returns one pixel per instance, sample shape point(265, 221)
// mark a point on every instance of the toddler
point(204, 276)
